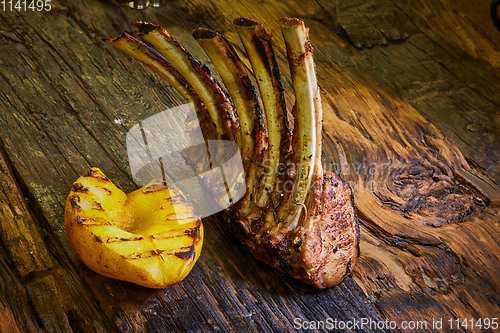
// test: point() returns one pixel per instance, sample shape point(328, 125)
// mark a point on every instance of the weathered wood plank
point(34, 266)
point(430, 226)
point(447, 67)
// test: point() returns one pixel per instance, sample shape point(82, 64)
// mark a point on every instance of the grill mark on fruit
point(97, 206)
point(122, 239)
point(154, 188)
point(78, 187)
point(187, 253)
point(99, 239)
point(141, 255)
point(92, 221)
point(192, 232)
point(74, 200)
point(94, 173)
point(177, 197)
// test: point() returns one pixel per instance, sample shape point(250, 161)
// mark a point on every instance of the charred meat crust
point(311, 253)
point(245, 22)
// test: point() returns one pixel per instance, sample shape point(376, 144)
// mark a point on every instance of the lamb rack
point(294, 216)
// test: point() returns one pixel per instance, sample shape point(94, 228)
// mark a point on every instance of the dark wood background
point(411, 94)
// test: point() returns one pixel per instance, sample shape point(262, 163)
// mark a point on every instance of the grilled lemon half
point(151, 237)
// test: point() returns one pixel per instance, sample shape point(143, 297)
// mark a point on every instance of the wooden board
point(411, 120)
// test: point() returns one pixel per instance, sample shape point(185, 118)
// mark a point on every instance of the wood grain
point(411, 121)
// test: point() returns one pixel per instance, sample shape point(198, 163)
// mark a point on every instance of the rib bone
point(244, 96)
point(219, 105)
point(261, 55)
point(307, 111)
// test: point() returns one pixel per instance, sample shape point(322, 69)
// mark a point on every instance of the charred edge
point(187, 254)
point(95, 174)
point(143, 255)
point(206, 73)
point(193, 232)
point(153, 189)
point(205, 68)
point(260, 132)
point(78, 187)
point(245, 22)
point(232, 53)
point(98, 206)
point(285, 266)
point(159, 183)
point(145, 27)
point(251, 92)
point(234, 119)
point(266, 53)
point(290, 21)
point(151, 49)
point(92, 221)
point(74, 200)
point(153, 54)
point(286, 136)
point(297, 246)
point(122, 239)
point(252, 95)
point(309, 50)
point(221, 94)
point(177, 198)
point(327, 178)
point(194, 62)
point(261, 49)
point(348, 268)
point(200, 33)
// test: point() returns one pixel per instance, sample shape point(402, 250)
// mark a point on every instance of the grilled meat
point(295, 216)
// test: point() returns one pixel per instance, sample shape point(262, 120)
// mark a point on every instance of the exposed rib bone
point(263, 61)
point(306, 113)
point(251, 118)
point(161, 66)
point(219, 105)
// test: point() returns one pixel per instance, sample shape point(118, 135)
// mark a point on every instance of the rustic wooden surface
point(411, 92)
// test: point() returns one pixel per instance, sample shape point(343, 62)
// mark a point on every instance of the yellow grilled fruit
point(150, 237)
